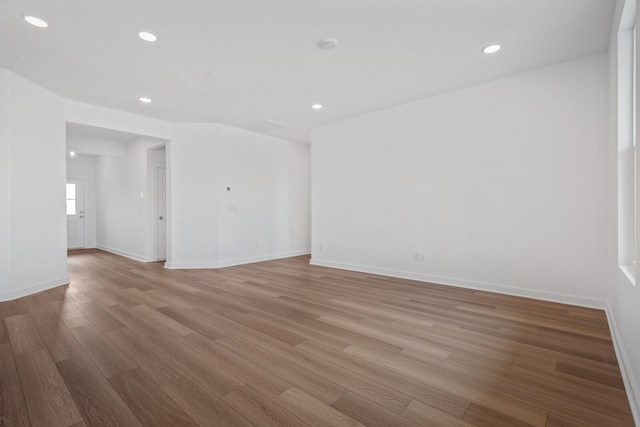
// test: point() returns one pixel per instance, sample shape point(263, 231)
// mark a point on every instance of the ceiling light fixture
point(73, 154)
point(36, 22)
point(144, 99)
point(317, 106)
point(147, 36)
point(327, 43)
point(492, 48)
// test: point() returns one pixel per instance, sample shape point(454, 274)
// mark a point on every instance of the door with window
point(75, 213)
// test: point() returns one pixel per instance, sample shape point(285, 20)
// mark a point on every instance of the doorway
point(75, 213)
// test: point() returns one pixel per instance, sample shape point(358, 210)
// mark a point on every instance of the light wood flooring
point(286, 343)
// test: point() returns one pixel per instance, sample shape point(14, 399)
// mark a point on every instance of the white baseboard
point(125, 254)
point(189, 265)
point(463, 283)
point(32, 289)
point(231, 263)
point(630, 383)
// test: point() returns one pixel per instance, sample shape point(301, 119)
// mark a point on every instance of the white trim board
point(468, 284)
point(124, 254)
point(630, 385)
point(32, 289)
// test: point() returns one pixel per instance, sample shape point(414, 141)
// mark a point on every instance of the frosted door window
point(71, 199)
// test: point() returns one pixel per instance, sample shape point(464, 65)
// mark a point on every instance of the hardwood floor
point(286, 343)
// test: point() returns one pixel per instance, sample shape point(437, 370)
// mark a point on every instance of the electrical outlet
point(418, 256)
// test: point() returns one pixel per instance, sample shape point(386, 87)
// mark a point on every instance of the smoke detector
point(327, 43)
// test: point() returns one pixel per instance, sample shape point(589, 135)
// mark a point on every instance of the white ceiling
point(240, 61)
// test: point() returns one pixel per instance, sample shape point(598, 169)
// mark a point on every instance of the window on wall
point(627, 150)
point(71, 199)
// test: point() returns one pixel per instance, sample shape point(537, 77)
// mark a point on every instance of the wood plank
point(145, 298)
point(479, 390)
point(260, 410)
point(375, 391)
point(314, 384)
point(163, 324)
point(596, 375)
point(69, 315)
point(134, 323)
point(96, 399)
point(18, 418)
point(368, 413)
point(4, 334)
point(14, 307)
point(23, 334)
point(148, 359)
point(481, 416)
point(110, 360)
point(193, 322)
point(98, 317)
point(404, 383)
point(11, 399)
point(247, 372)
point(150, 404)
point(48, 400)
point(400, 340)
point(202, 406)
point(185, 358)
point(57, 338)
point(266, 327)
point(312, 410)
point(426, 415)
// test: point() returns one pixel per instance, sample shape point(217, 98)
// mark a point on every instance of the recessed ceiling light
point(35, 21)
point(73, 154)
point(327, 43)
point(492, 48)
point(317, 106)
point(144, 99)
point(147, 36)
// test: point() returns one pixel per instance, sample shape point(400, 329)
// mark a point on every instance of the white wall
point(5, 187)
point(193, 196)
point(84, 167)
point(35, 148)
point(122, 190)
point(265, 214)
point(96, 146)
point(501, 185)
point(624, 297)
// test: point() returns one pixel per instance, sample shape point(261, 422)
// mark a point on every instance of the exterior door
point(161, 196)
point(75, 213)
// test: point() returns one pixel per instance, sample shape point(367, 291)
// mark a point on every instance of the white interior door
point(75, 213)
point(161, 200)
